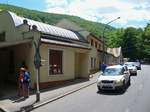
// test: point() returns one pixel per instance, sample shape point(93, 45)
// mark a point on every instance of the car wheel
point(99, 89)
point(129, 81)
point(123, 86)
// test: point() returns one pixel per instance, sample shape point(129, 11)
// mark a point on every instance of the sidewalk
point(46, 96)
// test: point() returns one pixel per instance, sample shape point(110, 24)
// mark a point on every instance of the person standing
point(20, 82)
point(26, 81)
point(103, 67)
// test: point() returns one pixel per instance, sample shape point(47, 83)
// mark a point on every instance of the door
point(4, 66)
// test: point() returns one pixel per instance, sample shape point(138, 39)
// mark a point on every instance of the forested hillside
point(51, 18)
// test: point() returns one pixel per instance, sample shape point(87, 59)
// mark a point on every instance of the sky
point(132, 13)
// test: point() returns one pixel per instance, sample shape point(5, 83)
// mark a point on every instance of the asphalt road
point(135, 99)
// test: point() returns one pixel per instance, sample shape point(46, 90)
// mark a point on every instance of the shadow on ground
point(66, 84)
point(14, 98)
point(12, 92)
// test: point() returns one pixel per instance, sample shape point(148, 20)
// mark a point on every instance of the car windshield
point(137, 63)
point(112, 72)
point(129, 65)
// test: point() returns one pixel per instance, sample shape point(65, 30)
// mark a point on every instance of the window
point(55, 62)
point(91, 62)
point(2, 36)
point(100, 46)
point(95, 44)
point(122, 71)
point(94, 62)
point(91, 42)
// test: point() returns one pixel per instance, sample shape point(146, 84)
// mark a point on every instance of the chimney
point(25, 21)
point(34, 27)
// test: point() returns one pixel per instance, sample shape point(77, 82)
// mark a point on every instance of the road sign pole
point(37, 63)
point(37, 85)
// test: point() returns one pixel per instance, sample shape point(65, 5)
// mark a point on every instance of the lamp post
point(103, 58)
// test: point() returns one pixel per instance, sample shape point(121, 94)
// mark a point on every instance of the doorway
point(11, 59)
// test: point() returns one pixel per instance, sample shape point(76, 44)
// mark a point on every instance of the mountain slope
point(51, 18)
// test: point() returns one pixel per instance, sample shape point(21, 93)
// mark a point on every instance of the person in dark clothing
point(26, 82)
point(103, 66)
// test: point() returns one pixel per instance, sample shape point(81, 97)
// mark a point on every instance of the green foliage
point(51, 18)
point(129, 42)
point(146, 41)
point(115, 38)
point(135, 42)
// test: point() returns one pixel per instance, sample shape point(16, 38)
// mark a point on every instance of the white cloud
point(55, 3)
point(102, 10)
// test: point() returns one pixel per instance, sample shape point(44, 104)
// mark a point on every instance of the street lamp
point(103, 59)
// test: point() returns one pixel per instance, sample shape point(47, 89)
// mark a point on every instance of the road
point(135, 99)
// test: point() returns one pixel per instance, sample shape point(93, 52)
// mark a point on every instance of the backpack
point(27, 77)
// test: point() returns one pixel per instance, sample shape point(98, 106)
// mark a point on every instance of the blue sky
point(131, 12)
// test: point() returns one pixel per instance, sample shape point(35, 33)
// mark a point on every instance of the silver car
point(132, 68)
point(114, 77)
point(138, 65)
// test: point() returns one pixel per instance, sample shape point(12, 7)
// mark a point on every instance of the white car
point(138, 65)
point(114, 77)
point(132, 68)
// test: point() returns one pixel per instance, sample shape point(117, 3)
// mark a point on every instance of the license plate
point(110, 85)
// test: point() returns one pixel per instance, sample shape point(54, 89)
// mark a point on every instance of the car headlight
point(120, 81)
point(98, 80)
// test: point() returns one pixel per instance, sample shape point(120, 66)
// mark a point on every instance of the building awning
point(45, 28)
point(55, 42)
point(13, 43)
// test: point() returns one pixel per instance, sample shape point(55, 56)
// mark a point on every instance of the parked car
point(114, 77)
point(131, 67)
point(138, 65)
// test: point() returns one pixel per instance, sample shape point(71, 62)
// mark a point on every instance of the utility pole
point(37, 63)
point(103, 36)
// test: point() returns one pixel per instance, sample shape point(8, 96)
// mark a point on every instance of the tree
point(130, 39)
point(115, 38)
point(146, 41)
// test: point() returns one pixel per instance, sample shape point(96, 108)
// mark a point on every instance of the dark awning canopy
point(13, 43)
point(67, 44)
